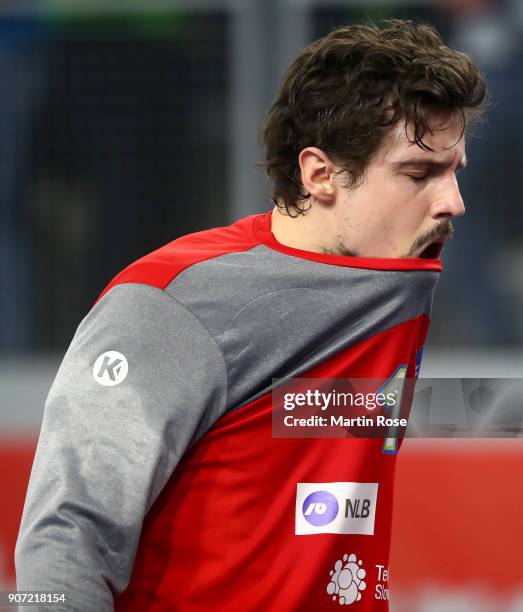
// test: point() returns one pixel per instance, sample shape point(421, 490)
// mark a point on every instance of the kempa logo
point(347, 581)
point(336, 507)
point(110, 368)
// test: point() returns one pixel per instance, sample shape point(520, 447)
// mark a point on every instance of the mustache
point(444, 230)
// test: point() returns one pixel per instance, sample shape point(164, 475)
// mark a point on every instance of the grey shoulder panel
point(251, 300)
point(140, 381)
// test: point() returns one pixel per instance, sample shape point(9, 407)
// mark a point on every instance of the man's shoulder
point(160, 267)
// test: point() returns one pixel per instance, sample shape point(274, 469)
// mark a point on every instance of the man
point(157, 483)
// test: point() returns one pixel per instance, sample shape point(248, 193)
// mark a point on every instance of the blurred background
point(125, 124)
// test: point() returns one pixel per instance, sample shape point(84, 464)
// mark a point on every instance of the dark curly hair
point(343, 92)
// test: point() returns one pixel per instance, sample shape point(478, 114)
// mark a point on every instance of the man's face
point(404, 206)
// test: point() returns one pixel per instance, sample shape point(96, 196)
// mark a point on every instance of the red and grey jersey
point(157, 484)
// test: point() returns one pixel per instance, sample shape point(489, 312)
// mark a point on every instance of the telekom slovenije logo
point(347, 581)
point(320, 508)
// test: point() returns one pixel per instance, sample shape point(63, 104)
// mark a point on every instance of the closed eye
point(417, 178)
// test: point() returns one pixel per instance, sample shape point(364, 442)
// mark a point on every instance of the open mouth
point(432, 250)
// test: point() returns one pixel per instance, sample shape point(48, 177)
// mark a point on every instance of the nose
point(448, 201)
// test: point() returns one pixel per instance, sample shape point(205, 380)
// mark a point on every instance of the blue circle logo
point(320, 508)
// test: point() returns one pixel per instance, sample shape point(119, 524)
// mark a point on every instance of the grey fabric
point(276, 316)
point(105, 453)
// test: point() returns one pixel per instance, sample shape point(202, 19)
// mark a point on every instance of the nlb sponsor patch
point(335, 507)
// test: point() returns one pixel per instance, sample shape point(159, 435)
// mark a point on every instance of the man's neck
point(310, 231)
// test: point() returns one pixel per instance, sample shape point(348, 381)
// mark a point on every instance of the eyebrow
point(429, 163)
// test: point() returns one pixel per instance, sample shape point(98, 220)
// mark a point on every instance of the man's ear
point(317, 174)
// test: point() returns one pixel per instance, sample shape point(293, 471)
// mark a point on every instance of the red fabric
point(222, 532)
point(221, 535)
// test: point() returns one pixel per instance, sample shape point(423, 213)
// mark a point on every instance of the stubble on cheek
point(343, 248)
point(339, 248)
